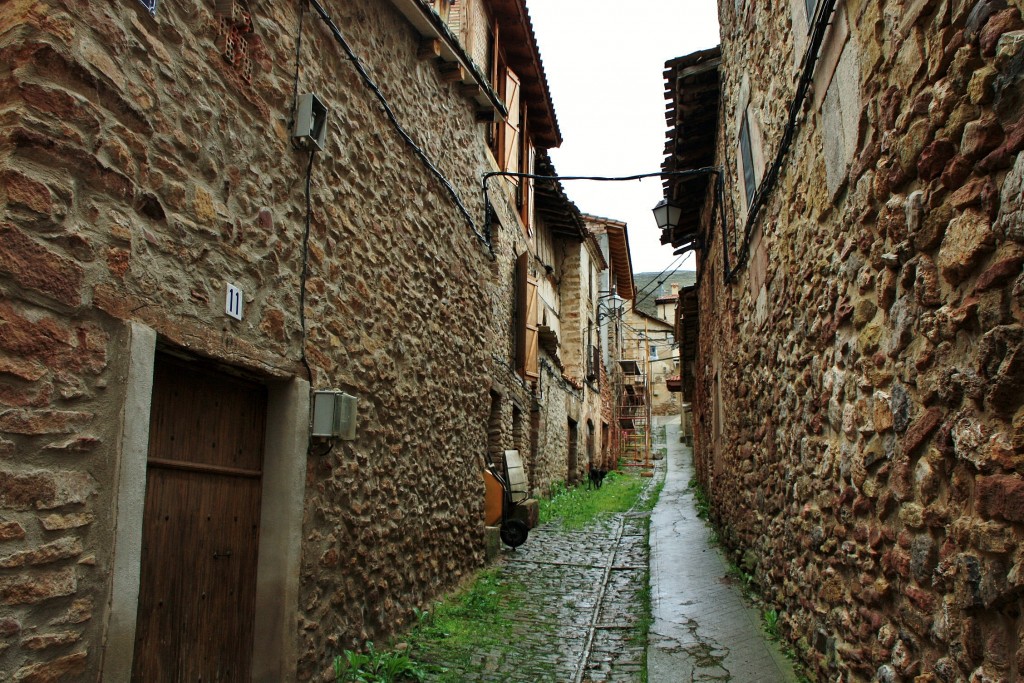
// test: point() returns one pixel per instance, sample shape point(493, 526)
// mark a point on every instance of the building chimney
point(675, 289)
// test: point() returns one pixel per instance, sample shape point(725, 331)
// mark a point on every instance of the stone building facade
point(561, 263)
point(615, 288)
point(652, 339)
point(151, 184)
point(859, 323)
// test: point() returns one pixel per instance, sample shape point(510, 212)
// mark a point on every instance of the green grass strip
point(577, 507)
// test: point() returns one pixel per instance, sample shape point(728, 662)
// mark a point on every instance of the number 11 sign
point(233, 305)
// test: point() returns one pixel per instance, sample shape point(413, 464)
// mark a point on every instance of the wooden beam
point(430, 48)
point(452, 72)
point(470, 89)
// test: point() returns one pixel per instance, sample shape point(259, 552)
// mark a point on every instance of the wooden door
point(573, 452)
point(200, 526)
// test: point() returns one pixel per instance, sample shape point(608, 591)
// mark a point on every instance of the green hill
point(650, 286)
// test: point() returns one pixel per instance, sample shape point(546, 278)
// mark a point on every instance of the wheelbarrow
point(505, 489)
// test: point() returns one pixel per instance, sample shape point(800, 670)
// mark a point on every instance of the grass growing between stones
point(646, 618)
point(577, 507)
point(464, 625)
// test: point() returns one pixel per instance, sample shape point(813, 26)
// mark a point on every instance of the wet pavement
point(703, 630)
point(581, 607)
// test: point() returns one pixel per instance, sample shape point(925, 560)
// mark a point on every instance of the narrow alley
point(307, 307)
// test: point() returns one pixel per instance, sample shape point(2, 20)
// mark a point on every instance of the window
point(525, 194)
point(593, 364)
point(654, 352)
point(810, 6)
point(747, 161)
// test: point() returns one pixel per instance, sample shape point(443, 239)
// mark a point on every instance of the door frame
point(277, 578)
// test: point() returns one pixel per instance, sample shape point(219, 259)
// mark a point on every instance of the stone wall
point(859, 386)
point(141, 172)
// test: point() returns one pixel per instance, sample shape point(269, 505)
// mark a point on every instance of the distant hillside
point(649, 286)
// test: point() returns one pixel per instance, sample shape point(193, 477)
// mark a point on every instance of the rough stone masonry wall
point(141, 171)
point(870, 468)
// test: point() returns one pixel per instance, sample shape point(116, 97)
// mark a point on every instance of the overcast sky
point(604, 62)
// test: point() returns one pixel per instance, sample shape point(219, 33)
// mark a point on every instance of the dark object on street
point(596, 478)
point(509, 492)
point(514, 532)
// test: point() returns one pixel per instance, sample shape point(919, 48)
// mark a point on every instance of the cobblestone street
point(583, 598)
point(580, 617)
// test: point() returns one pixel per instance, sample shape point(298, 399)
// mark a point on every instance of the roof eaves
point(513, 16)
point(693, 93)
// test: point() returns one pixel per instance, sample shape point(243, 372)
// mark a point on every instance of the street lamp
point(666, 214)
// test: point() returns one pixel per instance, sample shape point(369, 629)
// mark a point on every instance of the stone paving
point(579, 618)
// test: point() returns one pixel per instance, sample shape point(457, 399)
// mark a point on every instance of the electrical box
point(334, 415)
point(310, 122)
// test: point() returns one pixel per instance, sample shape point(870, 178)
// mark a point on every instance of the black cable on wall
point(821, 23)
point(393, 118)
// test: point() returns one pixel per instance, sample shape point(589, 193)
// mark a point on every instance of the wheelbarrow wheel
point(514, 532)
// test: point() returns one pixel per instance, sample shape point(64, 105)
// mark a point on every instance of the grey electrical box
point(334, 415)
point(310, 122)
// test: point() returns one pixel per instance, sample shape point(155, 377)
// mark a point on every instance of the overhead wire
point(650, 290)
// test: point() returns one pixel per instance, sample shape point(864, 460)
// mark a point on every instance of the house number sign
point(233, 304)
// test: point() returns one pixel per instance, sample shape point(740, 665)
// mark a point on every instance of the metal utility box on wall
point(334, 415)
point(310, 130)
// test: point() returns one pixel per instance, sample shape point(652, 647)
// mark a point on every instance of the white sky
point(604, 62)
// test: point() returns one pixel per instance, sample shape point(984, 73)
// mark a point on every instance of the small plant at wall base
point(376, 666)
point(772, 622)
point(701, 499)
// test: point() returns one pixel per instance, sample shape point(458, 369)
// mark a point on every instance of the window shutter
point(519, 331)
point(532, 332)
point(511, 141)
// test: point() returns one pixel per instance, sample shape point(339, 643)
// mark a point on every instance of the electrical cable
point(771, 176)
point(298, 53)
point(705, 170)
point(647, 288)
point(389, 112)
